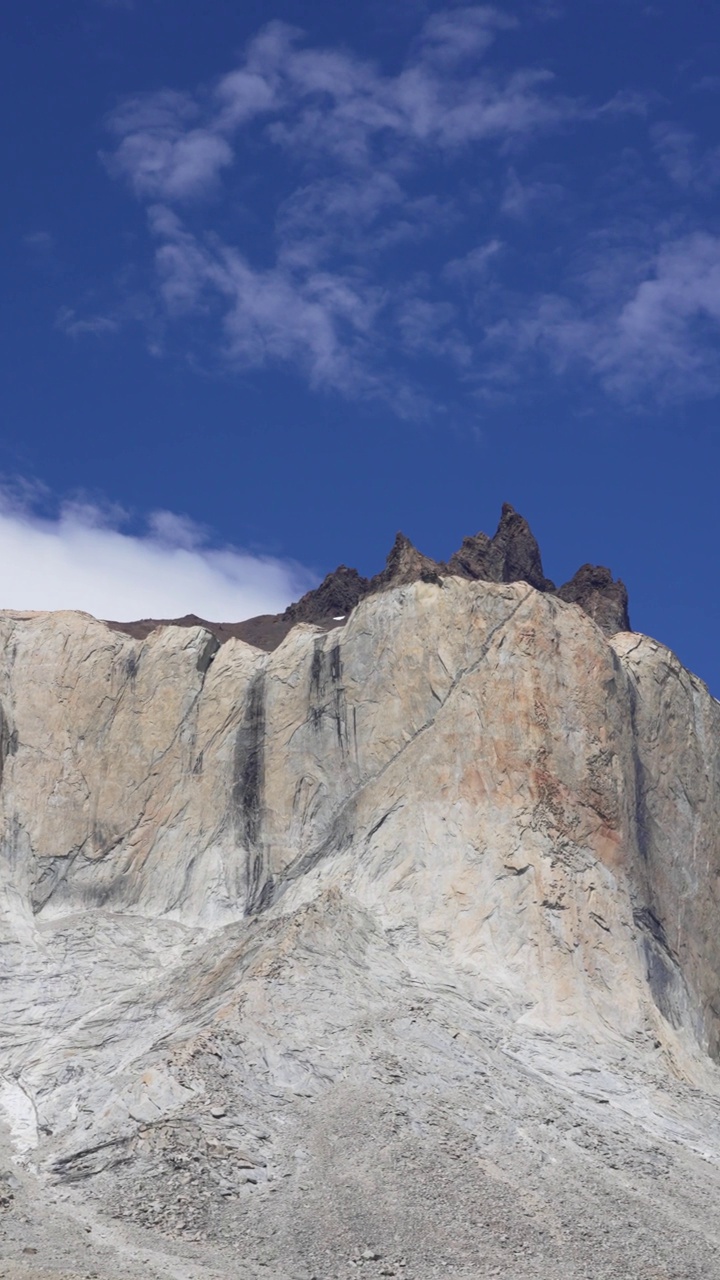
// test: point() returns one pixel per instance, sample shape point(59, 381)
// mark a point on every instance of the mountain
point(392, 951)
point(511, 555)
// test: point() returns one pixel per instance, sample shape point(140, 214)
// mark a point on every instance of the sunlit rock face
point(474, 761)
point(467, 790)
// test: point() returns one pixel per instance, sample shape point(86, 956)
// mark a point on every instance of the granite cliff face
point(270, 919)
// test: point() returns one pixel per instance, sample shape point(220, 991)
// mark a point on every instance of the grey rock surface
point(391, 952)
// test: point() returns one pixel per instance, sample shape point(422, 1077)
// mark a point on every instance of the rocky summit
point(388, 949)
point(511, 555)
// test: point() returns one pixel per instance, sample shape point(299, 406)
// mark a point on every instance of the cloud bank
point(82, 559)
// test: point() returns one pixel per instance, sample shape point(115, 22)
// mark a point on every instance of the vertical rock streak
point(249, 788)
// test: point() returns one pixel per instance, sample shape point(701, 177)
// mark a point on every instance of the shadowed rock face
point(398, 940)
point(603, 599)
point(336, 596)
point(511, 555)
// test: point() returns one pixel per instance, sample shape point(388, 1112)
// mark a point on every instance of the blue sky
point(282, 280)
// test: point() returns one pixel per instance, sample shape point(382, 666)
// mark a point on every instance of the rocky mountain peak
point(512, 554)
point(337, 594)
point(603, 598)
point(406, 564)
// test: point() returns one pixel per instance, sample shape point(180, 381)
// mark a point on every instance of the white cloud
point(314, 320)
point(162, 152)
point(322, 306)
point(522, 199)
point(81, 559)
point(173, 147)
point(660, 328)
point(474, 265)
point(424, 110)
point(658, 335)
point(707, 84)
point(431, 328)
point(339, 215)
point(453, 35)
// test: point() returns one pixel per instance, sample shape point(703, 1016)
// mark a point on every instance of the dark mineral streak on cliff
point(327, 694)
point(510, 555)
point(248, 789)
point(8, 740)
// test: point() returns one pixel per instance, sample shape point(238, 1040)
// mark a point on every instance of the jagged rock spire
point(406, 564)
point(511, 555)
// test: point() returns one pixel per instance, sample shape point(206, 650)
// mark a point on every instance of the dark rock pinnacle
point(603, 598)
point(511, 555)
point(337, 594)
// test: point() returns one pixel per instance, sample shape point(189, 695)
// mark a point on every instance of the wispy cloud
point(454, 35)
point(657, 333)
point(174, 147)
point(68, 321)
point(163, 152)
point(707, 84)
point(474, 265)
point(314, 320)
point(40, 242)
point(523, 200)
point(685, 161)
point(314, 211)
point(323, 306)
point(82, 558)
point(430, 328)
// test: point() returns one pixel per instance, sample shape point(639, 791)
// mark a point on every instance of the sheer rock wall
point(474, 763)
